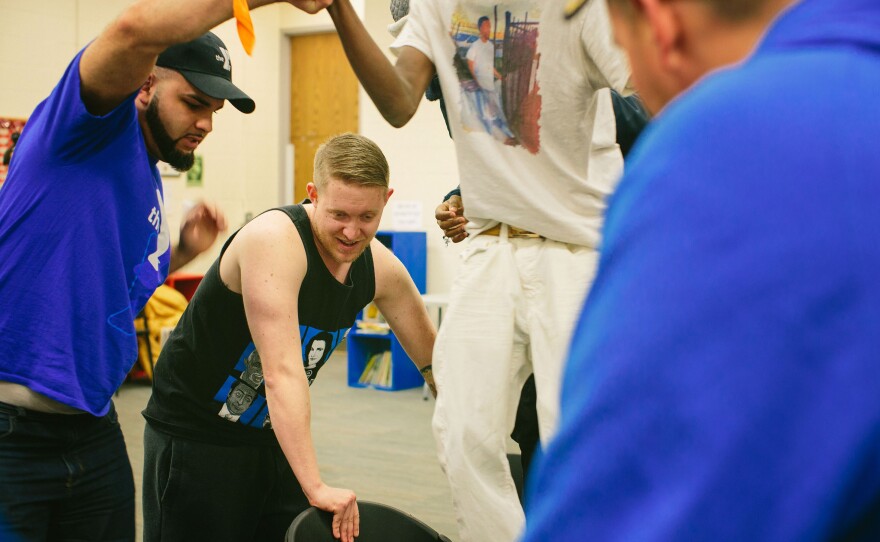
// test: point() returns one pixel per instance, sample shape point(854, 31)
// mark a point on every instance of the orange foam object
point(245, 25)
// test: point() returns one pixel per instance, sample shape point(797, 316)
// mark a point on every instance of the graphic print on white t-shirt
point(496, 61)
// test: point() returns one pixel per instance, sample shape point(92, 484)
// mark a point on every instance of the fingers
point(357, 519)
point(222, 225)
point(343, 504)
point(350, 522)
point(310, 6)
point(450, 219)
point(442, 212)
point(216, 216)
point(453, 228)
point(337, 525)
point(346, 521)
point(208, 215)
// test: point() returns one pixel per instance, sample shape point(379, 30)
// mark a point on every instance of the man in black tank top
point(228, 450)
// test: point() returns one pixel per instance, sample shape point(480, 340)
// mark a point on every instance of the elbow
point(128, 28)
point(125, 29)
point(401, 110)
point(398, 119)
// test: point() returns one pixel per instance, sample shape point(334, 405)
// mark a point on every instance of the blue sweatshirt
point(724, 379)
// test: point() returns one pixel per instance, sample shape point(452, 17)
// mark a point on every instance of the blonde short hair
point(351, 158)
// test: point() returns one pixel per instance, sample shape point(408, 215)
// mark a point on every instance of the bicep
point(112, 68)
point(271, 273)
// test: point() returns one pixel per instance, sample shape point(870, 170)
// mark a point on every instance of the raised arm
point(396, 90)
point(272, 264)
point(400, 303)
point(121, 58)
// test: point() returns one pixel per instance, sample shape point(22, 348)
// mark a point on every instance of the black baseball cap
point(205, 63)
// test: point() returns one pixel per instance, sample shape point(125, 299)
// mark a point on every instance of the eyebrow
point(203, 101)
point(368, 212)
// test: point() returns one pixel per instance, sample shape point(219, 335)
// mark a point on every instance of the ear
point(312, 191)
point(148, 89)
point(666, 26)
point(388, 194)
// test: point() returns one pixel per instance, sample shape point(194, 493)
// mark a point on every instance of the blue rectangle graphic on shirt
point(317, 345)
point(242, 395)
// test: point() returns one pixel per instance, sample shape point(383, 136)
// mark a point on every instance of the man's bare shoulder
point(269, 240)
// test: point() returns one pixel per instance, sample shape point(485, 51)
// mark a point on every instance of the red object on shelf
point(185, 283)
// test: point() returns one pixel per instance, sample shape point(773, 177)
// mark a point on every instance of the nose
point(205, 123)
point(350, 231)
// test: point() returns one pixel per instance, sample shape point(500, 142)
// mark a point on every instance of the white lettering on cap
point(226, 65)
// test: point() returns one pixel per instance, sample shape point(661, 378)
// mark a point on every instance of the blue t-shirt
point(724, 379)
point(83, 244)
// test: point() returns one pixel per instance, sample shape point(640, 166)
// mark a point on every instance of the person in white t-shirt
point(481, 57)
point(482, 93)
point(535, 207)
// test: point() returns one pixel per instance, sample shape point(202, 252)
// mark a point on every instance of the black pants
point(199, 491)
point(64, 477)
point(525, 430)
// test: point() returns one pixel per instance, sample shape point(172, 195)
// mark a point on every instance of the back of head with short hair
point(351, 158)
point(729, 10)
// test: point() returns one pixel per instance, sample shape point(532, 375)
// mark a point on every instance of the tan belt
point(512, 232)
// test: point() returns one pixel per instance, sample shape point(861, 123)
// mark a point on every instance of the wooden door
point(323, 100)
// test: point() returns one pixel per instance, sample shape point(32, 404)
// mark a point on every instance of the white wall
point(244, 156)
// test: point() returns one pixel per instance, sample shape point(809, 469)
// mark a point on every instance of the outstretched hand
point(343, 505)
point(200, 228)
point(450, 218)
point(310, 6)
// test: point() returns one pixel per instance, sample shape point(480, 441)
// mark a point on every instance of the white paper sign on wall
point(406, 215)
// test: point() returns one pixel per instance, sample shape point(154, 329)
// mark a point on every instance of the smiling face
point(176, 118)
point(319, 346)
point(345, 218)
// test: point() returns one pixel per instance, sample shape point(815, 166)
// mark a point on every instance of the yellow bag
point(162, 310)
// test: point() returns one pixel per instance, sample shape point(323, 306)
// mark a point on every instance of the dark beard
point(181, 161)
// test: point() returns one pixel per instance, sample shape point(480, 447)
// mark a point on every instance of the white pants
point(511, 311)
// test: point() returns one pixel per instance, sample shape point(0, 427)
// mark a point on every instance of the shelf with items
point(401, 372)
point(373, 336)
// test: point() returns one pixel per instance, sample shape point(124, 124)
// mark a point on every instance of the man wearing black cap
point(84, 242)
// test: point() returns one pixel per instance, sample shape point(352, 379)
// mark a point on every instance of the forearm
point(403, 309)
point(389, 89)
point(157, 24)
point(290, 413)
point(122, 57)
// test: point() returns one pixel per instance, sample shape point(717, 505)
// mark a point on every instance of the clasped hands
point(450, 218)
point(310, 6)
